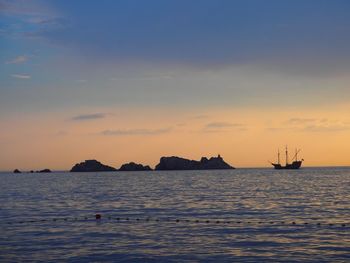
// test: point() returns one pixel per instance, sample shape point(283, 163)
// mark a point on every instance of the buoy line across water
point(246, 222)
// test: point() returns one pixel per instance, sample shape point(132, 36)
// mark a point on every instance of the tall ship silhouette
point(296, 164)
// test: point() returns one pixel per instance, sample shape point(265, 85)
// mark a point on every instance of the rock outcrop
point(16, 171)
point(44, 171)
point(134, 167)
point(178, 163)
point(91, 166)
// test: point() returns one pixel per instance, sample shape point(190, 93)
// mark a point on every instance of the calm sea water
point(264, 201)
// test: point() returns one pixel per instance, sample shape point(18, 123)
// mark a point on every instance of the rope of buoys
point(99, 218)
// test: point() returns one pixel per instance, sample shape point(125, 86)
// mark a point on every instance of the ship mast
point(279, 156)
point(296, 154)
point(286, 155)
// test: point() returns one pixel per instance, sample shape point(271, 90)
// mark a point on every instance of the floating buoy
point(98, 216)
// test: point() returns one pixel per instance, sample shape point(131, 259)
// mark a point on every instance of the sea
point(242, 215)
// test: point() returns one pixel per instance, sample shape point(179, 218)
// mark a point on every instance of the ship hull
point(292, 166)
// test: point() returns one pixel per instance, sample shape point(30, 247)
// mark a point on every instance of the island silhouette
point(165, 163)
point(178, 163)
point(16, 171)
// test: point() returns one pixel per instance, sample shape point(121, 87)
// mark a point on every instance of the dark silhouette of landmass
point(44, 171)
point(166, 163)
point(134, 167)
point(178, 163)
point(92, 166)
point(16, 171)
point(96, 166)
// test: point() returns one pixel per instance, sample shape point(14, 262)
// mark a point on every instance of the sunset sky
point(134, 80)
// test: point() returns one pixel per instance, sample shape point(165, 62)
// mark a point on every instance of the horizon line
point(236, 168)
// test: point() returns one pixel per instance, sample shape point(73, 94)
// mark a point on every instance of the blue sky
point(67, 48)
point(197, 33)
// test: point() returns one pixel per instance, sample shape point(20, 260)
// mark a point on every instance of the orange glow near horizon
point(245, 138)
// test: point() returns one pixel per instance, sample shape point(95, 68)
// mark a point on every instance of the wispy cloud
point(29, 8)
point(18, 60)
point(301, 120)
point(223, 126)
point(53, 22)
point(326, 128)
point(21, 76)
point(144, 77)
point(312, 125)
point(86, 117)
point(135, 132)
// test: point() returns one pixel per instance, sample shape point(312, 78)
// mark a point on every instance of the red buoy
point(98, 216)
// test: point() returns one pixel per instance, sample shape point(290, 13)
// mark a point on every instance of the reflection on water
point(319, 195)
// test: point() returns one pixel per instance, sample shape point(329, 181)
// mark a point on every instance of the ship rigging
point(296, 164)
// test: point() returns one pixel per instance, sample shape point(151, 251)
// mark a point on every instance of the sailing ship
point(296, 164)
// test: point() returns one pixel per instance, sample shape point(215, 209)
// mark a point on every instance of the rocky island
point(16, 171)
point(92, 166)
point(166, 163)
point(44, 171)
point(178, 163)
point(134, 167)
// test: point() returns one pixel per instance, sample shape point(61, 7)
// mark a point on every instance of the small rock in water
point(134, 167)
point(45, 171)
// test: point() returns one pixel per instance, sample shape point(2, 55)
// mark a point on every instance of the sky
point(133, 80)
